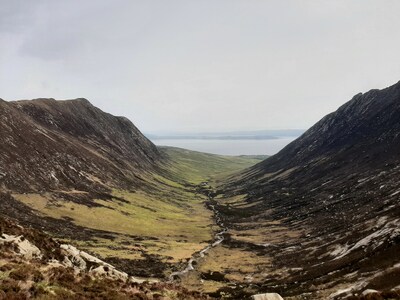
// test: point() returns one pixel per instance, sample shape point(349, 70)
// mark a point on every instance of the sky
point(200, 65)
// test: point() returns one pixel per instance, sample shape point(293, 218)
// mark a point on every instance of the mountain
point(318, 220)
point(363, 133)
point(49, 144)
point(93, 181)
point(59, 154)
point(323, 215)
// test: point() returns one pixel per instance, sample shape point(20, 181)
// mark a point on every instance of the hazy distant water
point(228, 147)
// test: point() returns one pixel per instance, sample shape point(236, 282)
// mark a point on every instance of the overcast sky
point(200, 65)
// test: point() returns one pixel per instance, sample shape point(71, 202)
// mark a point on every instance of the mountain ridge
point(333, 194)
point(341, 130)
point(65, 139)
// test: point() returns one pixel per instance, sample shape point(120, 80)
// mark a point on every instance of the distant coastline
point(226, 137)
point(234, 135)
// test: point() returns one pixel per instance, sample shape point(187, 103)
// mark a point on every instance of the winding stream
point(218, 239)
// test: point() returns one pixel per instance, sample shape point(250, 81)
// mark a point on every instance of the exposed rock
point(72, 257)
point(24, 247)
point(50, 278)
point(111, 272)
point(267, 296)
point(369, 291)
point(83, 261)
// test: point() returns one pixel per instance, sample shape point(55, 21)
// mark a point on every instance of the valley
point(148, 232)
point(199, 150)
point(318, 220)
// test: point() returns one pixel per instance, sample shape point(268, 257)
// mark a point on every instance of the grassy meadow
point(166, 221)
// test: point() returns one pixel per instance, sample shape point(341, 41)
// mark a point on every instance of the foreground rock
point(267, 296)
point(21, 246)
point(82, 261)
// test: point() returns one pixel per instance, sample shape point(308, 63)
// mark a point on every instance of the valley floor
point(148, 232)
point(152, 231)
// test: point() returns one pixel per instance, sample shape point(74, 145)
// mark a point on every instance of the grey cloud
point(200, 65)
point(15, 15)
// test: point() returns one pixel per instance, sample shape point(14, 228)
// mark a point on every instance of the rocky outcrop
point(68, 256)
point(41, 268)
point(267, 296)
point(21, 246)
point(83, 261)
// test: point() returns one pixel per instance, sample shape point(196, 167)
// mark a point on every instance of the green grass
point(143, 215)
point(167, 212)
point(195, 167)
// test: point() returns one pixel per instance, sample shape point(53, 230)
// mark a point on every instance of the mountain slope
point(364, 132)
point(324, 212)
point(49, 144)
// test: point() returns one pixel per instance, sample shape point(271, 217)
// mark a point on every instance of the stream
point(218, 239)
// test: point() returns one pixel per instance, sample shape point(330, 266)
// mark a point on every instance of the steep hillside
point(56, 145)
point(362, 134)
point(322, 217)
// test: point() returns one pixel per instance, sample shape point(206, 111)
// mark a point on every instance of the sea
point(229, 147)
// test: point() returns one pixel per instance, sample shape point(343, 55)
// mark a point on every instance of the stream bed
point(218, 239)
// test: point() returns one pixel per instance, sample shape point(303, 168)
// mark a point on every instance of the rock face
point(337, 186)
point(267, 296)
point(49, 145)
point(22, 246)
point(82, 261)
